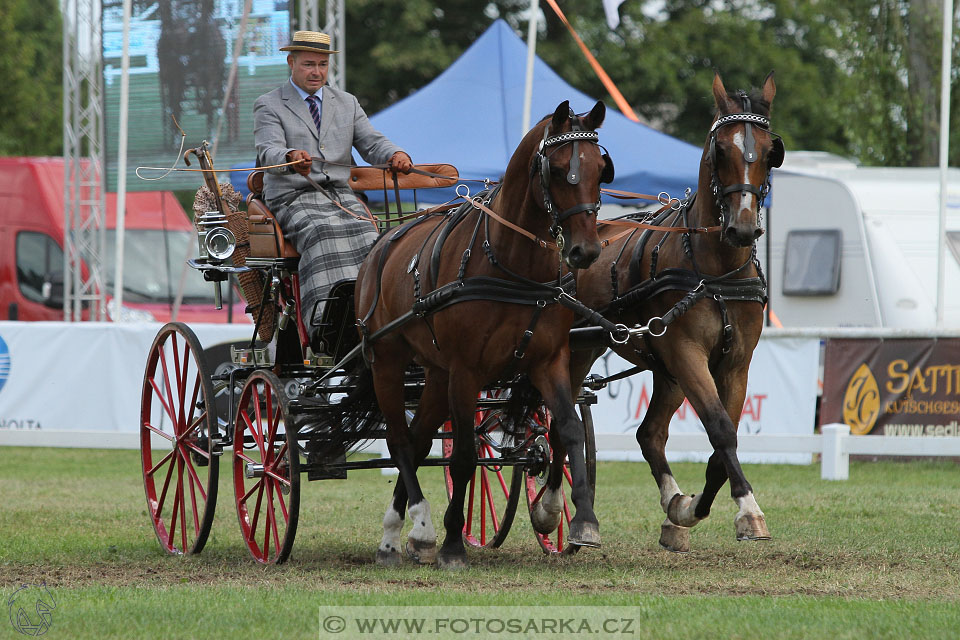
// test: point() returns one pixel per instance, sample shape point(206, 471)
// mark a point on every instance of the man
point(316, 127)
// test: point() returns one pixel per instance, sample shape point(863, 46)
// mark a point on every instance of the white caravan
point(850, 246)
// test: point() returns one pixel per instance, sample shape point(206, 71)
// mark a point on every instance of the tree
point(31, 65)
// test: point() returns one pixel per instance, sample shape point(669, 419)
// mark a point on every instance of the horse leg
point(431, 411)
point(462, 399)
point(422, 543)
point(652, 437)
point(718, 420)
point(547, 509)
point(567, 432)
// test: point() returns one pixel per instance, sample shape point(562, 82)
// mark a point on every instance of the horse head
point(737, 159)
point(566, 167)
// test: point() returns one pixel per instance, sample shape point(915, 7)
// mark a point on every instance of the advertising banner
point(781, 399)
point(899, 387)
point(86, 376)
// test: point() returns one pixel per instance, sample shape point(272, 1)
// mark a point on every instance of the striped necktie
point(313, 102)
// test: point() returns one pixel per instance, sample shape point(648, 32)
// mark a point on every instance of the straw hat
point(309, 41)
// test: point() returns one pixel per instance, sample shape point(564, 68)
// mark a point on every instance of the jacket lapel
point(299, 107)
point(326, 115)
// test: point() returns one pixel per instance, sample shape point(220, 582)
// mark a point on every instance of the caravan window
point(811, 266)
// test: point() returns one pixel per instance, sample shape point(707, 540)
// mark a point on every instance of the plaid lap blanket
point(331, 243)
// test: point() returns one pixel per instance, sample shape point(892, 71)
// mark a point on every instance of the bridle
point(749, 120)
point(541, 166)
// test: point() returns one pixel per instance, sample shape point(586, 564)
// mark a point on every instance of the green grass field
point(875, 556)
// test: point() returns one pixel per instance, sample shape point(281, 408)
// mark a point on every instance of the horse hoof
point(680, 511)
point(675, 539)
point(452, 562)
point(584, 534)
point(543, 521)
point(389, 558)
point(422, 551)
point(751, 527)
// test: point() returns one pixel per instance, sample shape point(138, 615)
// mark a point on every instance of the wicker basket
point(251, 282)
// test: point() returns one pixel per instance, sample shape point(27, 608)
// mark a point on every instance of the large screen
point(181, 53)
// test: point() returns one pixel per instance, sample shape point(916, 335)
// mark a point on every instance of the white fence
point(835, 444)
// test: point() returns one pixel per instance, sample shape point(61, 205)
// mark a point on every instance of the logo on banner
point(861, 402)
point(4, 363)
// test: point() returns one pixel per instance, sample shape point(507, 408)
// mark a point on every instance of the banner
point(86, 376)
point(901, 387)
point(781, 399)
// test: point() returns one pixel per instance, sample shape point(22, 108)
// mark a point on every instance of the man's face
point(308, 69)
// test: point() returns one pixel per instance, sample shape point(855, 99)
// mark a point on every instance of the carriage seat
point(266, 237)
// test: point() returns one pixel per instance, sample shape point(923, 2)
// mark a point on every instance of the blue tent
point(472, 114)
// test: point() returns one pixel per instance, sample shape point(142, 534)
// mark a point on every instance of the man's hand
point(401, 162)
point(302, 159)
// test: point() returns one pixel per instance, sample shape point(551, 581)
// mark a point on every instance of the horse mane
point(758, 104)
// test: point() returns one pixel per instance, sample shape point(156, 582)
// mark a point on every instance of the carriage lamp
point(220, 243)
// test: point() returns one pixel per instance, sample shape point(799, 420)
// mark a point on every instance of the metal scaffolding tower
point(309, 20)
point(83, 193)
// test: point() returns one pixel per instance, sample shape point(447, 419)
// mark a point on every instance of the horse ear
point(769, 88)
point(720, 94)
point(561, 115)
point(595, 117)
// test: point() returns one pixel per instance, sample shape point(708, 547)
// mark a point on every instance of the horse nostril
point(757, 233)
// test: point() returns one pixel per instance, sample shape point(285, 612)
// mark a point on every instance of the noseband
point(541, 165)
point(750, 120)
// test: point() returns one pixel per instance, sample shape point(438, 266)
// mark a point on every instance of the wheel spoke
point(163, 402)
point(493, 510)
point(195, 477)
point(273, 519)
point(157, 431)
point(161, 463)
point(183, 507)
point(256, 513)
point(166, 485)
point(243, 456)
point(193, 499)
point(193, 447)
point(469, 525)
point(276, 476)
point(266, 523)
point(191, 423)
point(173, 511)
point(253, 488)
point(283, 506)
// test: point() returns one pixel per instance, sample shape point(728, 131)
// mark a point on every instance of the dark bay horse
point(708, 288)
point(483, 291)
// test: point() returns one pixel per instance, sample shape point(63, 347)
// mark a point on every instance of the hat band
point(311, 45)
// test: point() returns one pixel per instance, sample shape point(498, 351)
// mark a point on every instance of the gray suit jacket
point(282, 123)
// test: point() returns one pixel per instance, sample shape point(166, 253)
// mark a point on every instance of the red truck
point(157, 238)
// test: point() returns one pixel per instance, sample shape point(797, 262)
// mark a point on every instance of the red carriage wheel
point(179, 440)
point(266, 469)
point(556, 542)
point(491, 498)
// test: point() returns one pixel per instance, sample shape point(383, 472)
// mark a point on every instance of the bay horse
point(705, 283)
point(468, 297)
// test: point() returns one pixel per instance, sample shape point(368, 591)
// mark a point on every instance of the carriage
point(284, 411)
point(260, 410)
